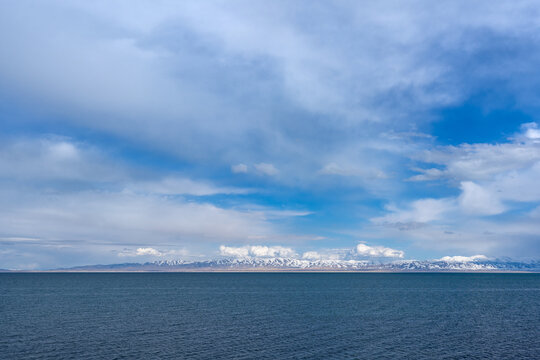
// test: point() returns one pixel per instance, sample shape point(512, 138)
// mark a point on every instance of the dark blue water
point(269, 316)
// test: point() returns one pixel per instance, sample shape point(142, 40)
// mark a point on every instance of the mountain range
point(292, 264)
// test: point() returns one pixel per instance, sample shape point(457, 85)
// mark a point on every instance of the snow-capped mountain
point(292, 264)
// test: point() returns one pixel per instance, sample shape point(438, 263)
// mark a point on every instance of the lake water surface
point(269, 316)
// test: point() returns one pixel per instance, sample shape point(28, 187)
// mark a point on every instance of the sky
point(135, 131)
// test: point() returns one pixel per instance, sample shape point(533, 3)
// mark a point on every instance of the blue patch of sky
point(472, 123)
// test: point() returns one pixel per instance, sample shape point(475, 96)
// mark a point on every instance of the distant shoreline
point(255, 271)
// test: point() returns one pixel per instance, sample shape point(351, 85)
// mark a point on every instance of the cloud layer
point(256, 251)
point(361, 251)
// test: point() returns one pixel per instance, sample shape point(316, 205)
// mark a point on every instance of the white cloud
point(419, 211)
point(271, 251)
point(326, 254)
point(427, 174)
point(481, 162)
point(521, 186)
point(54, 158)
point(234, 251)
point(361, 250)
point(256, 251)
point(312, 255)
point(239, 169)
point(515, 236)
point(463, 258)
point(112, 217)
point(336, 169)
point(63, 150)
point(59, 159)
point(378, 251)
point(147, 251)
point(173, 185)
point(475, 199)
point(531, 131)
point(495, 195)
point(266, 169)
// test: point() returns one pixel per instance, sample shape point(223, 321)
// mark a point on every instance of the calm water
point(269, 316)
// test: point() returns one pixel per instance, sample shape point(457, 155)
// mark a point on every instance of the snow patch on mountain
point(452, 264)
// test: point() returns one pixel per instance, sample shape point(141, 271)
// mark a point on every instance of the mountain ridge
point(299, 265)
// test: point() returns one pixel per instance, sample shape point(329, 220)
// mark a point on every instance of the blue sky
point(137, 131)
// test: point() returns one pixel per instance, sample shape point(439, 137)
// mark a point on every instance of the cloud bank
point(463, 258)
point(378, 251)
point(360, 251)
point(256, 251)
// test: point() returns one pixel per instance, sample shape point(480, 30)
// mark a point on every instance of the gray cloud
point(177, 67)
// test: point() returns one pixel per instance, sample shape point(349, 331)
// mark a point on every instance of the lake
point(269, 316)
